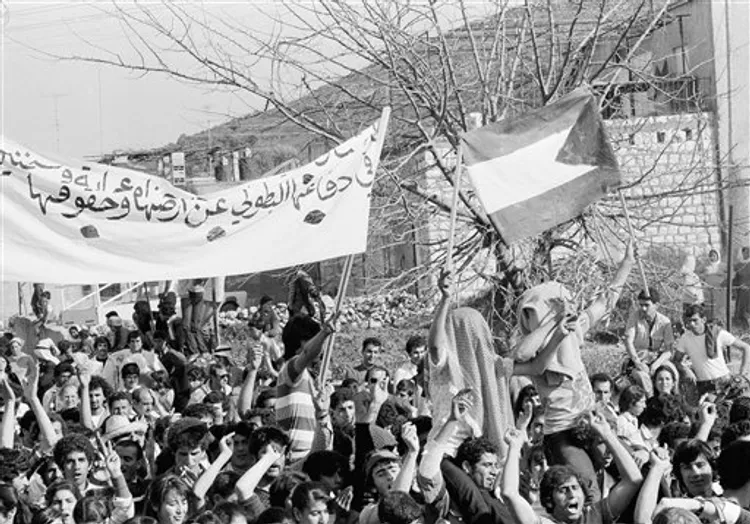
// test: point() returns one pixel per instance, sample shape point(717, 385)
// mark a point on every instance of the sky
point(79, 109)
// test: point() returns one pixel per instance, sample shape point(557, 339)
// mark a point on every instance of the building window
point(661, 137)
point(688, 133)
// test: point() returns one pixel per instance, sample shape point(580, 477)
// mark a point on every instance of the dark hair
point(119, 395)
point(133, 335)
point(661, 411)
point(206, 517)
point(340, 396)
point(223, 485)
point(264, 299)
point(673, 432)
point(160, 379)
point(161, 486)
point(689, 451)
point(273, 515)
point(226, 510)
point(216, 397)
point(397, 507)
point(261, 437)
point(283, 485)
point(526, 392)
point(406, 384)
point(131, 368)
point(70, 443)
point(325, 463)
point(349, 382)
point(731, 476)
point(414, 342)
point(127, 443)
point(195, 373)
point(46, 516)
point(551, 480)
point(264, 395)
point(371, 341)
point(91, 508)
point(267, 416)
point(198, 411)
point(308, 492)
point(102, 340)
point(734, 432)
point(98, 382)
point(190, 438)
point(8, 499)
point(60, 485)
point(161, 335)
point(601, 377)
point(64, 367)
point(471, 450)
point(649, 294)
point(630, 396)
point(296, 331)
point(740, 410)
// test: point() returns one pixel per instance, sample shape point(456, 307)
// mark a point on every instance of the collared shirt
point(650, 337)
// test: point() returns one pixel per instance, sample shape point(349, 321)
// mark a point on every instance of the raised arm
point(437, 341)
point(311, 350)
point(708, 416)
point(247, 483)
point(547, 337)
point(630, 476)
point(247, 390)
point(648, 496)
point(405, 478)
point(206, 480)
point(31, 393)
point(8, 433)
point(519, 507)
point(84, 378)
point(606, 301)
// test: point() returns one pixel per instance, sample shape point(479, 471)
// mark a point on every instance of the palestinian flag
point(543, 168)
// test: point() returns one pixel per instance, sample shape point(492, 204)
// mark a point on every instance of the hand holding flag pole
point(632, 239)
point(454, 210)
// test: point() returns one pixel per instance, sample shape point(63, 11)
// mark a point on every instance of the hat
point(382, 438)
point(197, 288)
point(116, 426)
point(378, 456)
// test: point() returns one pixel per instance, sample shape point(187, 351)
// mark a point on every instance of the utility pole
point(101, 115)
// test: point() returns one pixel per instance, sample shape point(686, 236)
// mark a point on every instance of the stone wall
point(670, 174)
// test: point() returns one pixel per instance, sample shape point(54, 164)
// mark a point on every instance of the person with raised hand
point(8, 430)
point(31, 396)
point(561, 490)
point(208, 477)
point(647, 498)
point(123, 507)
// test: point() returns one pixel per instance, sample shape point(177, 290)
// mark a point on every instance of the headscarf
point(547, 300)
point(474, 364)
point(714, 267)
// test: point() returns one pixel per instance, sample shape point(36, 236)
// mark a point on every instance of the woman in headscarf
point(462, 358)
point(715, 291)
point(692, 288)
point(563, 383)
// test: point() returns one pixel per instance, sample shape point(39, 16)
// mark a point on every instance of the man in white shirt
point(707, 345)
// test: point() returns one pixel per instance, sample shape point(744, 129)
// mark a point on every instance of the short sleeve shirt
point(695, 347)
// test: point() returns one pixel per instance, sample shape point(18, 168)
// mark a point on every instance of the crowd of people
point(150, 425)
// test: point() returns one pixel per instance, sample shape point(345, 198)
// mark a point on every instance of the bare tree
point(326, 68)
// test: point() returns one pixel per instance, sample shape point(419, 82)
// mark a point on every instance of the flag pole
point(632, 239)
point(729, 269)
point(454, 208)
point(385, 116)
point(328, 351)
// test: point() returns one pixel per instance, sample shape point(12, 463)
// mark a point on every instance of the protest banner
point(72, 222)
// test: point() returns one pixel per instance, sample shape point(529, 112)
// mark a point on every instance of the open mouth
point(573, 506)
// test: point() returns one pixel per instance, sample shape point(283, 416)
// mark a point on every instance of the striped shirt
point(295, 411)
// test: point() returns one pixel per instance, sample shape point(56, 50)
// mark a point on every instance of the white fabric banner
point(73, 222)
